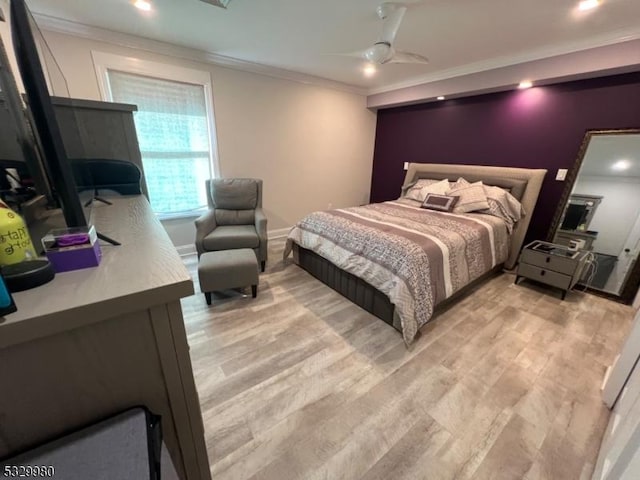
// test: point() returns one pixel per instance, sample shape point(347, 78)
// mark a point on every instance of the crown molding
point(58, 25)
point(612, 38)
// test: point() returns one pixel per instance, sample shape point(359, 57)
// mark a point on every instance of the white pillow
point(413, 190)
point(471, 197)
point(438, 188)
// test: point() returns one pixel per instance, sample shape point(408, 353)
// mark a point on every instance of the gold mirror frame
point(633, 282)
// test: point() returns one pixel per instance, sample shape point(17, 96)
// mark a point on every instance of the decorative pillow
point(458, 183)
point(439, 187)
point(412, 190)
point(503, 205)
point(471, 197)
point(442, 203)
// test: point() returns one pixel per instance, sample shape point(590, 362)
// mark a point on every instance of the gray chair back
point(234, 199)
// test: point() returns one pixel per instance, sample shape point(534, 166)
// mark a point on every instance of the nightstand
point(551, 264)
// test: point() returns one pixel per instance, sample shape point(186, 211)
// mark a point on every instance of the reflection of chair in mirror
point(235, 219)
point(118, 176)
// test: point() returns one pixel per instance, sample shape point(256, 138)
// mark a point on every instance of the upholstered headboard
point(523, 183)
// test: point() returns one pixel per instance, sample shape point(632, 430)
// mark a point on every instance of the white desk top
point(145, 270)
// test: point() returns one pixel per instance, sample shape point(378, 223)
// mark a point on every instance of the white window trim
point(103, 62)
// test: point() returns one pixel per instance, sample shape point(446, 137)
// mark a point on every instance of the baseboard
point(184, 250)
point(279, 233)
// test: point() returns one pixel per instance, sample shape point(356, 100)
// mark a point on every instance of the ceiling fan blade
point(378, 53)
point(394, 13)
point(407, 57)
point(358, 54)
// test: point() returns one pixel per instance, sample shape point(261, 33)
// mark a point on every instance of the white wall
point(312, 146)
point(5, 32)
point(616, 213)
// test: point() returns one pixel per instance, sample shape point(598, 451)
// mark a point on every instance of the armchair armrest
point(261, 223)
point(205, 224)
point(261, 228)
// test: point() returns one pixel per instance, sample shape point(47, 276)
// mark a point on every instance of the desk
point(95, 342)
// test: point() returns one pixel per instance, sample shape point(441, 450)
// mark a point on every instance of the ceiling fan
point(383, 51)
point(218, 3)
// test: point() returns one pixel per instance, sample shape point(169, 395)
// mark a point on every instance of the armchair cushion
point(230, 237)
point(234, 217)
point(234, 193)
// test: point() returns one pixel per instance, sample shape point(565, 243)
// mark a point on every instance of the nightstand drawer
point(549, 262)
point(544, 275)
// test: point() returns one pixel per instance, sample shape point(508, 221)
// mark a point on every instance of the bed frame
point(523, 183)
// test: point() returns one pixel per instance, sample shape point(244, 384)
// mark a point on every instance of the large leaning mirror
point(600, 212)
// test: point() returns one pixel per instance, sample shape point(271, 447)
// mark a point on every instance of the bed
point(400, 261)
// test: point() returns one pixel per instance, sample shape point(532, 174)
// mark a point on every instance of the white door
point(626, 259)
point(620, 450)
point(633, 245)
point(619, 372)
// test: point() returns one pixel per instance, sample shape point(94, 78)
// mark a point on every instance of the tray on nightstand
point(551, 264)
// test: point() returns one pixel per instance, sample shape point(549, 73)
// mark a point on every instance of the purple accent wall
point(541, 127)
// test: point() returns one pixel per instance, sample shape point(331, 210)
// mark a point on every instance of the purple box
point(72, 249)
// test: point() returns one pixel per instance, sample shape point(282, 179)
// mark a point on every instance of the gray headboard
point(523, 183)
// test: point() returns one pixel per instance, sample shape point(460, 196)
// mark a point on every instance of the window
point(174, 128)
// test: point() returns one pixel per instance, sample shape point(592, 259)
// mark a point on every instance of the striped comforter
point(417, 257)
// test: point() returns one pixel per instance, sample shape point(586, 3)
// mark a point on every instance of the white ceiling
point(605, 150)
point(457, 36)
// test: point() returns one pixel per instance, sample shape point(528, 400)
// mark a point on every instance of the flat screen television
point(23, 32)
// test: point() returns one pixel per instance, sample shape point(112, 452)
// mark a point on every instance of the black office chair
point(106, 174)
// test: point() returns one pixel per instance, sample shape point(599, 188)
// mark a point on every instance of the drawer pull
point(548, 259)
point(542, 272)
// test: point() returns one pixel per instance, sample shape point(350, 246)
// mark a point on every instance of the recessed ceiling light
point(588, 4)
point(144, 5)
point(621, 165)
point(440, 97)
point(525, 84)
point(369, 70)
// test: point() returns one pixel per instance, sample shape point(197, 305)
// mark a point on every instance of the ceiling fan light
point(588, 5)
point(377, 53)
point(369, 70)
point(143, 5)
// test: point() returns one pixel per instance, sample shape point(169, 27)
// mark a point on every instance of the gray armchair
point(235, 219)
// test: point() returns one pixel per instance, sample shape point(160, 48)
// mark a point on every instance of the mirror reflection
point(602, 214)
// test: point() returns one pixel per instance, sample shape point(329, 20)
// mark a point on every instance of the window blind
point(173, 133)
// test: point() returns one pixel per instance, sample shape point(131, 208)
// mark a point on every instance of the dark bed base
point(346, 284)
point(364, 294)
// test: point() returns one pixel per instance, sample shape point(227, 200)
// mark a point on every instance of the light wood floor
point(301, 383)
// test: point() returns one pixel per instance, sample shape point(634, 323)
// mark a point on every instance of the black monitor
point(23, 32)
